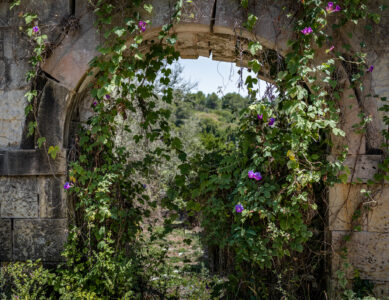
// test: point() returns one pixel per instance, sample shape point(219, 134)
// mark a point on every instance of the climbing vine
point(258, 202)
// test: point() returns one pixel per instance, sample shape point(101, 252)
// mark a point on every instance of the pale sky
point(213, 76)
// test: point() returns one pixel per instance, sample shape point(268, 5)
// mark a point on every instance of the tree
point(212, 101)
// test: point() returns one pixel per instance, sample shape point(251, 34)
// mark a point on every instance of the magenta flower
point(35, 29)
point(307, 30)
point(371, 68)
point(260, 117)
point(94, 103)
point(67, 185)
point(330, 7)
point(257, 176)
point(142, 26)
point(239, 208)
point(331, 48)
point(271, 121)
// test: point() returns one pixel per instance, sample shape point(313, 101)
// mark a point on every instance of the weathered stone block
point(42, 239)
point(196, 12)
point(70, 60)
point(18, 197)
point(375, 216)
point(11, 132)
point(273, 28)
point(52, 197)
point(13, 104)
point(368, 252)
point(5, 240)
point(16, 47)
point(17, 73)
point(51, 113)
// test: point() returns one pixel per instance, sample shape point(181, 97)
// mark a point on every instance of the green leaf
point(343, 178)
point(41, 141)
point(254, 47)
point(251, 20)
point(255, 65)
point(14, 4)
point(28, 18)
point(53, 151)
point(138, 56)
point(119, 31)
point(148, 8)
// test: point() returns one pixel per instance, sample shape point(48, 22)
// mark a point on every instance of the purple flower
point(107, 97)
point(142, 26)
point(307, 30)
point(67, 185)
point(257, 176)
point(330, 7)
point(251, 174)
point(260, 117)
point(144, 186)
point(94, 103)
point(239, 208)
point(371, 68)
point(271, 121)
point(35, 28)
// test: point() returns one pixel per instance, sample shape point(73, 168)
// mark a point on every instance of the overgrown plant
point(258, 201)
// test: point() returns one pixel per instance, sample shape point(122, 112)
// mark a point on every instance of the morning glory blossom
point(260, 117)
point(271, 121)
point(107, 97)
point(142, 26)
point(251, 174)
point(371, 68)
point(257, 176)
point(307, 30)
point(330, 7)
point(35, 29)
point(239, 208)
point(67, 185)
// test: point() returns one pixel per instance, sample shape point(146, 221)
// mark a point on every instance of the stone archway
point(206, 27)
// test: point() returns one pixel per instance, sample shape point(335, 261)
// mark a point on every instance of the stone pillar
point(33, 215)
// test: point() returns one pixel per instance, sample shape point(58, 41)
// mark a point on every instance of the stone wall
point(33, 214)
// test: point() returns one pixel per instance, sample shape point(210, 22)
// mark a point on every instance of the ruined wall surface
point(32, 202)
point(367, 248)
point(33, 220)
